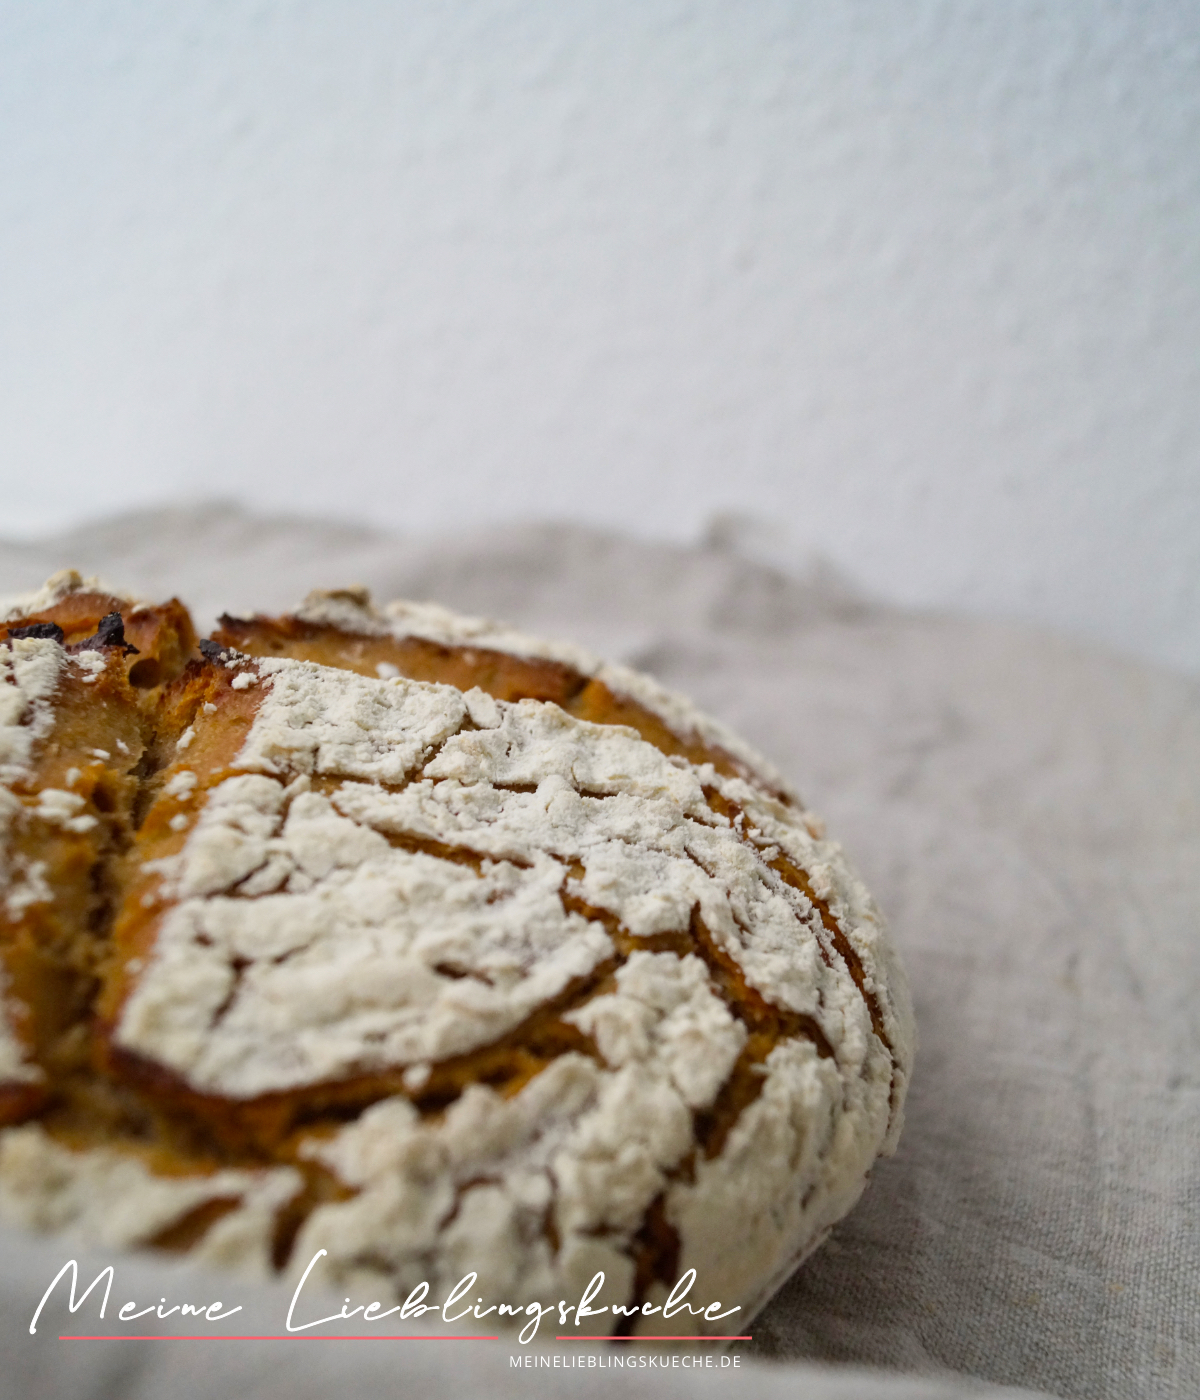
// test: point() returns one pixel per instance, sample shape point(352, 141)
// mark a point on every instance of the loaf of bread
point(406, 937)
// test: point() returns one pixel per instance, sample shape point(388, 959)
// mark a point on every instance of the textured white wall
point(919, 283)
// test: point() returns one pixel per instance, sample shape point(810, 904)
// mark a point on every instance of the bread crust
point(400, 917)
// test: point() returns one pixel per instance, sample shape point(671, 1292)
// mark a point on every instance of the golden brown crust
point(99, 751)
point(179, 724)
point(161, 636)
point(50, 949)
point(181, 1126)
point(501, 674)
point(204, 701)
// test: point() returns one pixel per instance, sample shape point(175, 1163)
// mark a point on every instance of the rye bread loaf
point(404, 936)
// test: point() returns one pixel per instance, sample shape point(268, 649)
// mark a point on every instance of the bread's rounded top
point(408, 918)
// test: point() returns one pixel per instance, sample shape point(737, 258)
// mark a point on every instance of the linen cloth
point(1026, 809)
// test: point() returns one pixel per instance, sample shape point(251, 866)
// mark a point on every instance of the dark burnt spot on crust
point(110, 633)
point(160, 636)
point(213, 651)
point(39, 631)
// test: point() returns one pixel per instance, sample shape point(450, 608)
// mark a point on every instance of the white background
point(918, 285)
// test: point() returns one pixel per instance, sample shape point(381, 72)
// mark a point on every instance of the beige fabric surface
point(1027, 812)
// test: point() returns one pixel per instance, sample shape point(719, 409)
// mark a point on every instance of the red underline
point(691, 1338)
point(285, 1337)
point(272, 1337)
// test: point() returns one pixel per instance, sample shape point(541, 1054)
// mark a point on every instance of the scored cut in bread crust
point(448, 951)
